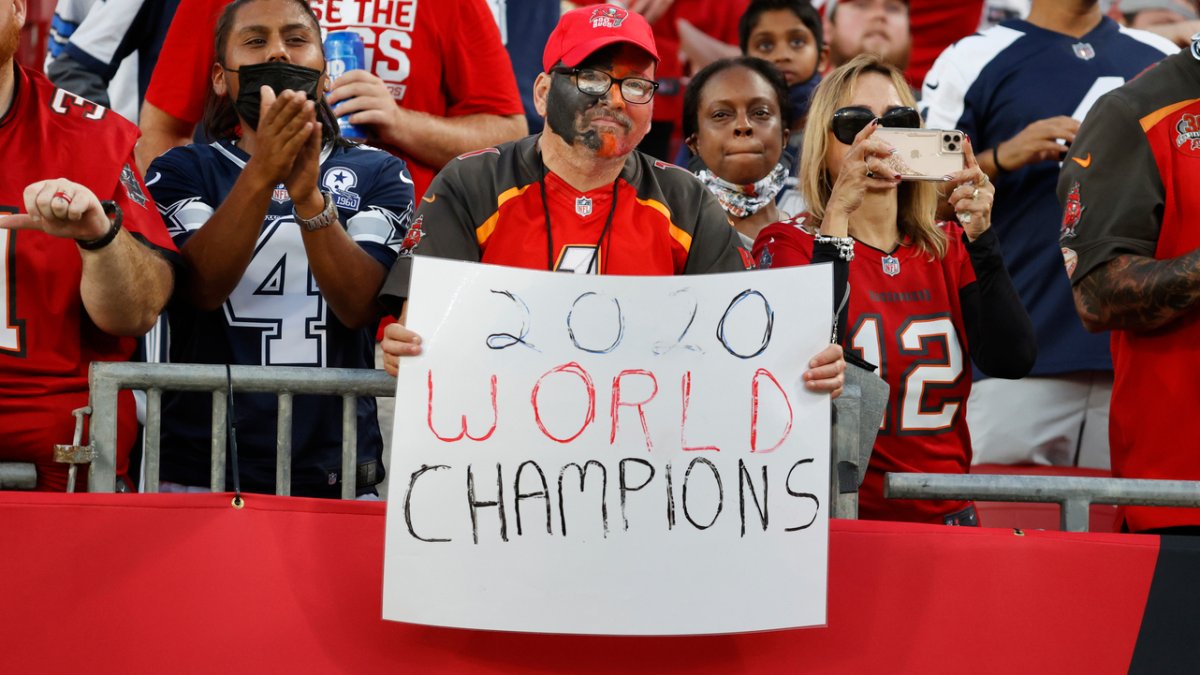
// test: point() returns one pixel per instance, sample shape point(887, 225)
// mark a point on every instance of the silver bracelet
point(844, 245)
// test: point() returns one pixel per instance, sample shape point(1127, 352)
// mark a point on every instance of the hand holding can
point(344, 52)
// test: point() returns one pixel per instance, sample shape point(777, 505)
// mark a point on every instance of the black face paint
point(570, 112)
point(565, 110)
point(279, 77)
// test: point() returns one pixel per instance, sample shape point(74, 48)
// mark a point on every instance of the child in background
point(787, 33)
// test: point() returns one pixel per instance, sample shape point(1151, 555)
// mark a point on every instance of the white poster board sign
point(610, 455)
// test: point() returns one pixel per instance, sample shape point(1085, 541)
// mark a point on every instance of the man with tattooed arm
point(1131, 239)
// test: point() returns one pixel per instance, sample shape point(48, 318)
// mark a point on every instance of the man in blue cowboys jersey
point(1020, 89)
point(288, 233)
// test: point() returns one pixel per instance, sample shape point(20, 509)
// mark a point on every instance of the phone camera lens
point(953, 146)
point(946, 138)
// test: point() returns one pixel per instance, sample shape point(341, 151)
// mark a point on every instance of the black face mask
point(277, 75)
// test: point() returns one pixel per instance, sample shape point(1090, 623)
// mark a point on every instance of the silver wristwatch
point(325, 218)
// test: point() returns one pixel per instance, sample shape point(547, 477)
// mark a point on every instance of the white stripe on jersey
point(185, 215)
point(379, 226)
point(228, 155)
point(1152, 39)
point(956, 69)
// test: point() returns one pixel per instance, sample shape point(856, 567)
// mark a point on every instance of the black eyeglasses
point(597, 83)
point(848, 122)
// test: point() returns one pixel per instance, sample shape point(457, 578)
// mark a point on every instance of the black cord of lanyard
point(231, 432)
point(550, 232)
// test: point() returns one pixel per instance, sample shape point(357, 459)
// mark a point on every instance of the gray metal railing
point(1073, 494)
point(107, 379)
point(17, 476)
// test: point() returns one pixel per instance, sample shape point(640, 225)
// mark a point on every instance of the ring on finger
point(964, 218)
point(63, 196)
point(870, 174)
point(975, 194)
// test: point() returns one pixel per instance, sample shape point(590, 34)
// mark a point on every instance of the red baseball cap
point(582, 31)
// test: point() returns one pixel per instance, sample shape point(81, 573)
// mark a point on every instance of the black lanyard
point(550, 232)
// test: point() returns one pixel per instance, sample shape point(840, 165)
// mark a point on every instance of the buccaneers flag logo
point(1072, 213)
point(413, 237)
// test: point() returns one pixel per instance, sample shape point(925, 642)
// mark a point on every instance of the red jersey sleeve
point(180, 81)
point(140, 214)
point(782, 245)
point(480, 77)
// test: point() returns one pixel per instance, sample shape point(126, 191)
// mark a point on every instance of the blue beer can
point(343, 53)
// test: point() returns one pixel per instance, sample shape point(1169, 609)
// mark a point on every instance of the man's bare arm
point(429, 139)
point(125, 286)
point(161, 131)
point(1138, 293)
point(434, 141)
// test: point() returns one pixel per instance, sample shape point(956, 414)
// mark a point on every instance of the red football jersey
point(640, 240)
point(47, 340)
point(905, 315)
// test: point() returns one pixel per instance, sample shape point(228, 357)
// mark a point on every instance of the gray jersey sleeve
point(1110, 189)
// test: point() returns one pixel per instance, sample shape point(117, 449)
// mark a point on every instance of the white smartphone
point(923, 154)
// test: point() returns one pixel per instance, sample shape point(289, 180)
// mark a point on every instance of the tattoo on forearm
point(1133, 292)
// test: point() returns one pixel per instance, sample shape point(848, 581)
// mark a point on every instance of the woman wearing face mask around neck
point(924, 295)
point(288, 232)
point(736, 117)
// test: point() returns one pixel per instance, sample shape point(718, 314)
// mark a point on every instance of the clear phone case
point(923, 154)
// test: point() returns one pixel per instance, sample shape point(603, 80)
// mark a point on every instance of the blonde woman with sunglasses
point(925, 295)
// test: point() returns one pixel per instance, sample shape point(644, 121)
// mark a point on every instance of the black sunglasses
point(848, 122)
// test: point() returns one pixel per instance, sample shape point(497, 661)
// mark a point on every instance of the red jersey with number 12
point(905, 316)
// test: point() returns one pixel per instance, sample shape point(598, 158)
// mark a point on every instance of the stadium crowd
point(1055, 258)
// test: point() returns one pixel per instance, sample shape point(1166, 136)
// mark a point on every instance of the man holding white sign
point(579, 197)
point(616, 455)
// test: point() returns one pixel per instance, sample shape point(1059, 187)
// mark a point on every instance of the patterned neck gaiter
point(741, 201)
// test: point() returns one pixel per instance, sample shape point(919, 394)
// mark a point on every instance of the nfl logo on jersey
point(891, 266)
point(583, 206)
point(1084, 51)
point(280, 194)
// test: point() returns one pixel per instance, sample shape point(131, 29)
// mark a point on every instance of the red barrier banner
point(189, 584)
